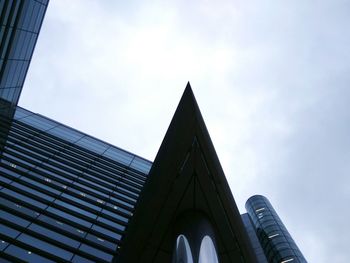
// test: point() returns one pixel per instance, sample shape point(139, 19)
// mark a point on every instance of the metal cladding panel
point(186, 177)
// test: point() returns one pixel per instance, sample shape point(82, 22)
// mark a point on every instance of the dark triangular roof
point(186, 176)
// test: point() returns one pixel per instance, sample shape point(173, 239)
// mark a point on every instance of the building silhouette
point(66, 196)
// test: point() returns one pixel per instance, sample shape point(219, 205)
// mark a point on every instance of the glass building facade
point(64, 195)
point(278, 245)
point(254, 241)
point(20, 25)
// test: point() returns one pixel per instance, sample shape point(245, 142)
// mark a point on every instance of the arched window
point(207, 251)
point(183, 252)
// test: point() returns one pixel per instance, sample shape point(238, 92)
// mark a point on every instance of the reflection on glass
point(183, 252)
point(207, 252)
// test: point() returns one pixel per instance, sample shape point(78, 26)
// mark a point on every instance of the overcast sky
point(271, 79)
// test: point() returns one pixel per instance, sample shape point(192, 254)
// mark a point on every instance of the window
point(96, 252)
point(26, 255)
point(182, 250)
point(79, 259)
point(207, 252)
point(54, 235)
point(69, 217)
point(42, 245)
point(14, 219)
point(8, 231)
point(106, 232)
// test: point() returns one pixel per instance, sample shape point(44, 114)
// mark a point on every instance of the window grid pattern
point(20, 22)
point(61, 200)
point(274, 238)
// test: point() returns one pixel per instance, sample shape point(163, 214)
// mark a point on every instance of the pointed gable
point(186, 176)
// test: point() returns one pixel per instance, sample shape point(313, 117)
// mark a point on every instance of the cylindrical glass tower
point(278, 245)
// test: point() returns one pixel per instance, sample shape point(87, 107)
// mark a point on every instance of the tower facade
point(277, 243)
point(20, 21)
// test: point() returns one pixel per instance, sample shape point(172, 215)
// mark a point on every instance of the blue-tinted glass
point(82, 202)
point(122, 202)
point(70, 170)
point(3, 245)
point(79, 259)
point(88, 175)
point(26, 255)
point(69, 217)
point(55, 175)
point(14, 165)
point(111, 223)
point(96, 252)
point(39, 122)
point(9, 172)
point(31, 44)
point(5, 46)
point(118, 208)
point(10, 71)
point(34, 15)
point(106, 232)
point(92, 144)
point(95, 184)
point(14, 219)
point(24, 198)
point(115, 215)
point(119, 155)
point(21, 113)
point(19, 208)
point(8, 231)
point(32, 191)
point(5, 180)
point(132, 194)
point(43, 186)
point(27, 15)
point(119, 194)
point(61, 225)
point(141, 165)
point(54, 235)
point(76, 209)
point(102, 242)
point(91, 189)
point(40, 17)
point(66, 133)
point(45, 246)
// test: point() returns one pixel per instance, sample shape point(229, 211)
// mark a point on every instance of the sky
point(271, 79)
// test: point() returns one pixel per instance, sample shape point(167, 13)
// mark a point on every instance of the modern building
point(277, 243)
point(20, 25)
point(68, 197)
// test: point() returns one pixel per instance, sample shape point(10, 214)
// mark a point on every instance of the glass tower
point(274, 238)
point(254, 241)
point(20, 25)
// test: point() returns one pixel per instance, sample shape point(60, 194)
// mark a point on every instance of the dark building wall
point(63, 194)
point(274, 238)
point(20, 25)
